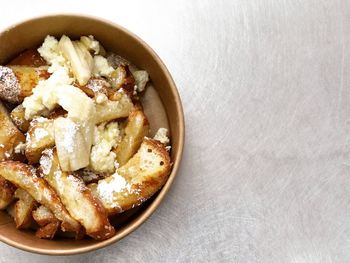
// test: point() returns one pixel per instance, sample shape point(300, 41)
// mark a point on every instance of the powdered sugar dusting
point(46, 161)
point(112, 185)
point(9, 85)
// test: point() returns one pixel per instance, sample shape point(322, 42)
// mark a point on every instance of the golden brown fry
point(76, 197)
point(40, 136)
point(30, 57)
point(142, 176)
point(17, 116)
point(43, 216)
point(7, 190)
point(24, 208)
point(136, 129)
point(48, 231)
point(17, 82)
point(25, 176)
point(96, 86)
point(10, 137)
point(114, 109)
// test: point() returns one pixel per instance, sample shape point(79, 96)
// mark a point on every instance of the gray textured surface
point(266, 169)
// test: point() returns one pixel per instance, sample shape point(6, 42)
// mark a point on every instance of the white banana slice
point(79, 62)
point(72, 148)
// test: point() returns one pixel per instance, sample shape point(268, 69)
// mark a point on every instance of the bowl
point(161, 102)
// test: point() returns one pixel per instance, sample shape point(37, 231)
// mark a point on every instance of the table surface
point(265, 175)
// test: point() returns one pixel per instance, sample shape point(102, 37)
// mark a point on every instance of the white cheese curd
point(20, 148)
point(100, 98)
point(141, 79)
point(101, 67)
point(102, 158)
point(162, 136)
point(50, 52)
point(91, 44)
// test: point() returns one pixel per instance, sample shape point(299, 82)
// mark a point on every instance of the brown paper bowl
point(164, 112)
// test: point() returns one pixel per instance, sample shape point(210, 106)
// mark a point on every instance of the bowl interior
point(161, 102)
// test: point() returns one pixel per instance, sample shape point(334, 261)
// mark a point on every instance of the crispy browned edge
point(48, 231)
point(105, 230)
point(17, 116)
point(26, 172)
point(155, 185)
point(23, 209)
point(125, 145)
point(10, 136)
point(42, 221)
point(29, 57)
point(7, 190)
point(149, 186)
point(35, 147)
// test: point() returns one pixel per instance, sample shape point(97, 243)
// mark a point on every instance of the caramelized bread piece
point(142, 176)
point(17, 82)
point(10, 137)
point(109, 110)
point(48, 231)
point(17, 116)
point(7, 190)
point(136, 129)
point(43, 216)
point(96, 86)
point(89, 176)
point(30, 57)
point(24, 208)
point(40, 136)
point(76, 197)
point(25, 176)
point(123, 79)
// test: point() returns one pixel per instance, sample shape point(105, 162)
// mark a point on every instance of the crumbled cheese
point(20, 148)
point(57, 90)
point(101, 67)
point(162, 136)
point(102, 158)
point(50, 52)
point(100, 98)
point(141, 79)
point(43, 97)
point(91, 44)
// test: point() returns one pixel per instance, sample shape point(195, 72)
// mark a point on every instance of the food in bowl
point(74, 149)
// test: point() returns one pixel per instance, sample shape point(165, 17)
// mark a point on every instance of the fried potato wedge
point(142, 176)
point(43, 216)
point(48, 231)
point(110, 110)
point(122, 78)
point(30, 57)
point(96, 86)
point(7, 191)
point(17, 116)
point(136, 129)
point(25, 176)
point(24, 208)
point(10, 137)
point(76, 197)
point(17, 82)
point(40, 136)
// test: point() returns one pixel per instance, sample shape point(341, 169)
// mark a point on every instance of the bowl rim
point(146, 213)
